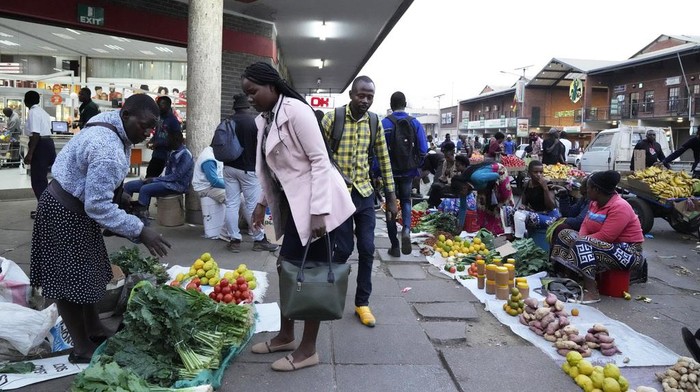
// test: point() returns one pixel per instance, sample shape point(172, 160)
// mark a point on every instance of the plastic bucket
point(171, 211)
point(213, 215)
point(613, 282)
point(471, 223)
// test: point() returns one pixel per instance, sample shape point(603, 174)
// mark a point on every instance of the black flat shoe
point(691, 343)
point(98, 339)
point(77, 359)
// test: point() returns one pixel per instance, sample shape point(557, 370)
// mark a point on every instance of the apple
point(217, 289)
point(228, 298)
point(212, 295)
point(223, 282)
point(243, 287)
point(233, 287)
point(240, 280)
point(226, 290)
point(219, 297)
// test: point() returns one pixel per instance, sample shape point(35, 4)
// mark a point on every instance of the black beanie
point(605, 181)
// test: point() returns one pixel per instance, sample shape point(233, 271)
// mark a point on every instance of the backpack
point(402, 145)
point(225, 142)
point(339, 128)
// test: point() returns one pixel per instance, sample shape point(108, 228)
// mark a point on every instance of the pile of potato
point(552, 323)
point(598, 337)
point(684, 376)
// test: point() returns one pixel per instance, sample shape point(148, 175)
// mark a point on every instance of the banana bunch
point(556, 172)
point(666, 184)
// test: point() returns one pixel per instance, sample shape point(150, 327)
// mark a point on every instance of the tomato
point(219, 297)
point(228, 298)
point(196, 281)
point(236, 294)
point(226, 290)
point(212, 295)
point(233, 287)
point(240, 280)
point(191, 286)
point(217, 289)
point(453, 269)
point(243, 287)
point(223, 282)
point(175, 283)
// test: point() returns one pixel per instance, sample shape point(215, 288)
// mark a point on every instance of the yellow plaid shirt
point(352, 151)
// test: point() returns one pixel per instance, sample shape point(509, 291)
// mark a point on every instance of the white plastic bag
point(27, 328)
point(14, 283)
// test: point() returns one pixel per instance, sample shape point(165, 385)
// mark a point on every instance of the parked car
point(574, 158)
point(612, 148)
point(520, 151)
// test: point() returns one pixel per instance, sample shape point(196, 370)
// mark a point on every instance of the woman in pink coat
point(307, 196)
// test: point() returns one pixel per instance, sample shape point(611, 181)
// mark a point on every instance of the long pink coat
point(296, 153)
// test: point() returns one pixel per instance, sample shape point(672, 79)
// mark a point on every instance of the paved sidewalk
point(435, 336)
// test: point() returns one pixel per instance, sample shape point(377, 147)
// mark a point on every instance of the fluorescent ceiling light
point(323, 33)
point(120, 39)
point(114, 47)
point(321, 63)
point(6, 35)
point(148, 52)
point(98, 50)
point(61, 35)
point(50, 49)
point(8, 43)
point(73, 31)
point(164, 49)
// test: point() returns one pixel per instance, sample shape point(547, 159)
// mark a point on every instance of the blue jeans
point(364, 220)
point(147, 191)
point(403, 187)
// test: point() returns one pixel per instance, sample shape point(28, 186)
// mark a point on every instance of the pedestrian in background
point(352, 157)
point(208, 182)
point(306, 194)
point(240, 177)
point(88, 109)
point(159, 142)
point(691, 144)
point(509, 146)
point(41, 151)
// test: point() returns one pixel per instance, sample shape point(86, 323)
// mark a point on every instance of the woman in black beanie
point(610, 237)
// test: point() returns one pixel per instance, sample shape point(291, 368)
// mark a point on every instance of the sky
point(460, 46)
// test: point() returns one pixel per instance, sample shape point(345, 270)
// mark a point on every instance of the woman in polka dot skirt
point(69, 259)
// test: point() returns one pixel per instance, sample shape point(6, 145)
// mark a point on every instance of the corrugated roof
point(494, 93)
point(649, 57)
point(559, 72)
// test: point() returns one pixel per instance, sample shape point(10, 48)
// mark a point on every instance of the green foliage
point(438, 221)
point(131, 262)
point(108, 378)
point(530, 258)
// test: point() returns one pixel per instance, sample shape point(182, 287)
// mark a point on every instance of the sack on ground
point(14, 283)
point(27, 328)
point(225, 142)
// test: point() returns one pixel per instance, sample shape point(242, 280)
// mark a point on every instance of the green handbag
point(313, 290)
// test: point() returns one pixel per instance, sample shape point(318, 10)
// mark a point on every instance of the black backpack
point(339, 128)
point(403, 144)
point(225, 143)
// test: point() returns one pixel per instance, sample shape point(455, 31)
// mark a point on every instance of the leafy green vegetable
point(486, 237)
point(422, 206)
point(530, 258)
point(437, 221)
point(107, 378)
point(18, 367)
point(131, 261)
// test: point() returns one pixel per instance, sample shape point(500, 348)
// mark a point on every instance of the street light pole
point(439, 114)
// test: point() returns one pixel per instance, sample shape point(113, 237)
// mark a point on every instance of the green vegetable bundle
point(437, 221)
point(172, 334)
point(530, 258)
point(131, 262)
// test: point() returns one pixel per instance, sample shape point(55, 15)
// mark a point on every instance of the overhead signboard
point(523, 127)
point(320, 102)
point(91, 15)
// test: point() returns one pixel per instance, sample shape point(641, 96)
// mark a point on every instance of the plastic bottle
point(480, 281)
point(491, 272)
point(502, 292)
point(481, 267)
point(502, 276)
point(524, 289)
point(490, 286)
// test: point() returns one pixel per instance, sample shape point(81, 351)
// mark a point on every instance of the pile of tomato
point(415, 217)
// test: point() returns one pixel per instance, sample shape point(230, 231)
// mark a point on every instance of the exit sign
point(91, 15)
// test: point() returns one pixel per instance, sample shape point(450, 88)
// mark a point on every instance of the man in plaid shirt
point(353, 159)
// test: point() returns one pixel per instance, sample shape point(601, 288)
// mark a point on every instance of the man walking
point(691, 144)
point(352, 155)
point(87, 109)
point(41, 152)
point(239, 176)
point(652, 149)
point(407, 153)
point(159, 143)
point(509, 146)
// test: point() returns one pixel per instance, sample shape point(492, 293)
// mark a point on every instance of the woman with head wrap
point(307, 196)
point(610, 237)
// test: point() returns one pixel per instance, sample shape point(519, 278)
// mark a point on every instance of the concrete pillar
point(204, 40)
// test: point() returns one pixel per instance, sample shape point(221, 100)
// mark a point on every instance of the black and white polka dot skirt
point(69, 259)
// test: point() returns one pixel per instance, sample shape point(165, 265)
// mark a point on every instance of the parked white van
point(612, 149)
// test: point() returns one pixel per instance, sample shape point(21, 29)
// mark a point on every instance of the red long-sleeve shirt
point(613, 223)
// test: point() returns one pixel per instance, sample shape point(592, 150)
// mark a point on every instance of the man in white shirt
point(208, 182)
point(566, 142)
point(41, 151)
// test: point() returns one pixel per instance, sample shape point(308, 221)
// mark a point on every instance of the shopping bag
point(269, 228)
point(313, 291)
point(27, 328)
point(14, 283)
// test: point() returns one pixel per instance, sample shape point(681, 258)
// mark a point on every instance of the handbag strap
point(331, 275)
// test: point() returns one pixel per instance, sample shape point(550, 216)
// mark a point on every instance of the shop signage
point(619, 89)
point(523, 125)
point(56, 99)
point(564, 113)
point(317, 101)
point(673, 81)
point(91, 15)
point(10, 68)
point(56, 88)
point(572, 129)
point(575, 90)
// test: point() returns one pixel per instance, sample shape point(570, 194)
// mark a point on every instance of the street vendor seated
point(176, 179)
point(441, 187)
point(573, 211)
point(610, 237)
point(539, 208)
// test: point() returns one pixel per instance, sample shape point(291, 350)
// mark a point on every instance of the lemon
point(229, 275)
point(585, 367)
point(624, 384)
point(213, 281)
point(477, 240)
point(598, 369)
point(201, 272)
point(248, 275)
point(612, 371)
point(483, 247)
point(441, 238)
point(566, 367)
point(444, 254)
point(193, 271)
point(205, 256)
point(611, 385)
point(573, 372)
point(597, 378)
point(211, 273)
point(574, 357)
point(204, 281)
point(236, 274)
point(472, 249)
point(451, 253)
point(252, 285)
point(242, 268)
point(180, 277)
point(449, 242)
point(199, 263)
point(584, 382)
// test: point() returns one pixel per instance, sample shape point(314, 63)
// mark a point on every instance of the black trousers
point(43, 157)
point(155, 167)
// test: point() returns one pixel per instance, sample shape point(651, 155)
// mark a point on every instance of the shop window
point(634, 104)
point(648, 105)
point(137, 69)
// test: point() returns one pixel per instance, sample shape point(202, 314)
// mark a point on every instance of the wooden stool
point(171, 210)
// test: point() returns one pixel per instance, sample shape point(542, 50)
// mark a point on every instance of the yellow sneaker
point(365, 314)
